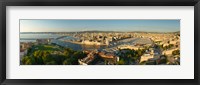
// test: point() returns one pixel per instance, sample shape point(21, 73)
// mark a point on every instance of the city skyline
point(50, 25)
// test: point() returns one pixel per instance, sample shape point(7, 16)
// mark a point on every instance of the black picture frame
point(4, 3)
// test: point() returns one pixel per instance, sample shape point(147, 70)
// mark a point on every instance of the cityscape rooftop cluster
point(103, 48)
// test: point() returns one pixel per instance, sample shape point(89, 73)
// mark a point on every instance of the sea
point(31, 37)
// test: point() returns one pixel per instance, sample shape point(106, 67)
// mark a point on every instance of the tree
point(162, 61)
point(121, 62)
point(151, 63)
point(66, 62)
point(24, 59)
point(29, 51)
point(140, 52)
point(51, 63)
point(176, 52)
point(35, 54)
point(59, 59)
point(66, 53)
point(28, 62)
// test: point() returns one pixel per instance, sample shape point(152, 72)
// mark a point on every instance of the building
point(23, 53)
point(24, 49)
point(130, 47)
point(110, 58)
point(87, 42)
point(87, 60)
point(146, 57)
point(169, 52)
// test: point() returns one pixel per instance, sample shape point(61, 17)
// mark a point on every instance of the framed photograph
point(99, 42)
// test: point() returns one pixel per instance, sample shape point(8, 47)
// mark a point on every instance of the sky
point(50, 25)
